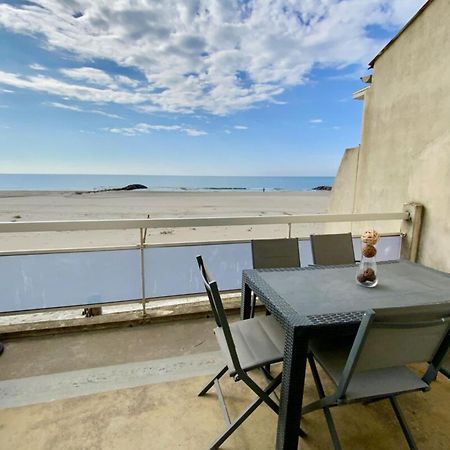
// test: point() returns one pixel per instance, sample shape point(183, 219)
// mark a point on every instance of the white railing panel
point(67, 279)
point(174, 271)
point(388, 249)
point(40, 281)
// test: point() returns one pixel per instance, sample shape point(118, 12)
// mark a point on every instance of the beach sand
point(22, 206)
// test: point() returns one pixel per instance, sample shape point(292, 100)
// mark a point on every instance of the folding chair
point(246, 345)
point(274, 254)
point(332, 249)
point(373, 367)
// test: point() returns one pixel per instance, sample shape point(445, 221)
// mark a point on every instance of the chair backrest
point(207, 279)
point(398, 337)
point(275, 253)
point(218, 310)
point(332, 249)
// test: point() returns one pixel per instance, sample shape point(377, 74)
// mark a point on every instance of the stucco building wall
point(405, 146)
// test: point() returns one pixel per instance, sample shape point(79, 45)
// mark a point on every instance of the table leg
point(294, 366)
point(246, 301)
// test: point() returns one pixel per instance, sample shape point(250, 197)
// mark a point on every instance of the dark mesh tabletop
point(331, 294)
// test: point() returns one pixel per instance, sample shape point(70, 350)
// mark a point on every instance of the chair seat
point(332, 355)
point(258, 341)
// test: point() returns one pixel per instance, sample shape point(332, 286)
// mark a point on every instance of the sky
point(192, 87)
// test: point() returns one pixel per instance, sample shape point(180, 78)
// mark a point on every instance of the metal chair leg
point(233, 426)
point(211, 383)
point(326, 411)
point(402, 421)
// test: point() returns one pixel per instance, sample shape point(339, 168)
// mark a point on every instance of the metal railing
point(143, 225)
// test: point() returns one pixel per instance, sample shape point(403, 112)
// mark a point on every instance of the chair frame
point(441, 356)
point(240, 375)
point(338, 397)
point(445, 372)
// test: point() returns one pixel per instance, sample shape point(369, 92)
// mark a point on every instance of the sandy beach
point(55, 205)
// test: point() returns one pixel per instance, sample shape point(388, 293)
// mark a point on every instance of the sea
point(55, 182)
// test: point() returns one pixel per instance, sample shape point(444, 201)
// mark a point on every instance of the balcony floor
point(135, 388)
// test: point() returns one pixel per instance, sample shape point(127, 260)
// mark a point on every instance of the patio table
point(312, 300)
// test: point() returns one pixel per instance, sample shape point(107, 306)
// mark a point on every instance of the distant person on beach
point(264, 189)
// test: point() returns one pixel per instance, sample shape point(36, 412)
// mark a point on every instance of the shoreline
point(7, 193)
point(170, 183)
point(160, 190)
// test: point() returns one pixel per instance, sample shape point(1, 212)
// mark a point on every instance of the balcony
point(130, 378)
point(136, 388)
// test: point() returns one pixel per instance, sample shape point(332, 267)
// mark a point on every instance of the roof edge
point(410, 21)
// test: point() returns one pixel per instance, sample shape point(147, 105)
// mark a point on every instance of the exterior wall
point(405, 148)
point(342, 199)
point(345, 182)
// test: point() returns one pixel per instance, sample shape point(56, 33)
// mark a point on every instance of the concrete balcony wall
point(405, 148)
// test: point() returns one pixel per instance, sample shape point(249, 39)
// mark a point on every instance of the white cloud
point(79, 109)
point(37, 67)
point(145, 128)
point(4, 106)
point(316, 121)
point(216, 56)
point(194, 132)
point(240, 127)
point(64, 106)
point(103, 113)
point(6, 91)
point(72, 91)
point(89, 74)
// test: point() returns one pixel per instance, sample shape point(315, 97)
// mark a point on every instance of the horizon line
point(166, 175)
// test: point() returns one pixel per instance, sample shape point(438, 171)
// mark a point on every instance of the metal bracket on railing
point(142, 238)
point(411, 230)
point(289, 230)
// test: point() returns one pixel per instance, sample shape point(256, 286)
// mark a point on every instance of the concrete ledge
point(160, 312)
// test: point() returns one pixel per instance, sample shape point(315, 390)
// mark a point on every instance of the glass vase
point(367, 272)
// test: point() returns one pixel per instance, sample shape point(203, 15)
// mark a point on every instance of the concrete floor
point(114, 389)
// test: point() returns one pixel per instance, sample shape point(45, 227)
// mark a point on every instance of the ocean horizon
point(79, 182)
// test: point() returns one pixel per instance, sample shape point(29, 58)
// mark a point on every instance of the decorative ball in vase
point(367, 271)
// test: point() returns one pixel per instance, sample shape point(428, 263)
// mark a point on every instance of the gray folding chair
point(332, 249)
point(246, 345)
point(373, 367)
point(274, 254)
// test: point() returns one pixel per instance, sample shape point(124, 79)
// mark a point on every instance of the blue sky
point(194, 87)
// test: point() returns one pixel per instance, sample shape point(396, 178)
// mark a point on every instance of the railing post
point(143, 235)
point(289, 230)
point(411, 230)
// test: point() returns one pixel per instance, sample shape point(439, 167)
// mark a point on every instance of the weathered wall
point(345, 182)
point(405, 147)
point(343, 194)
